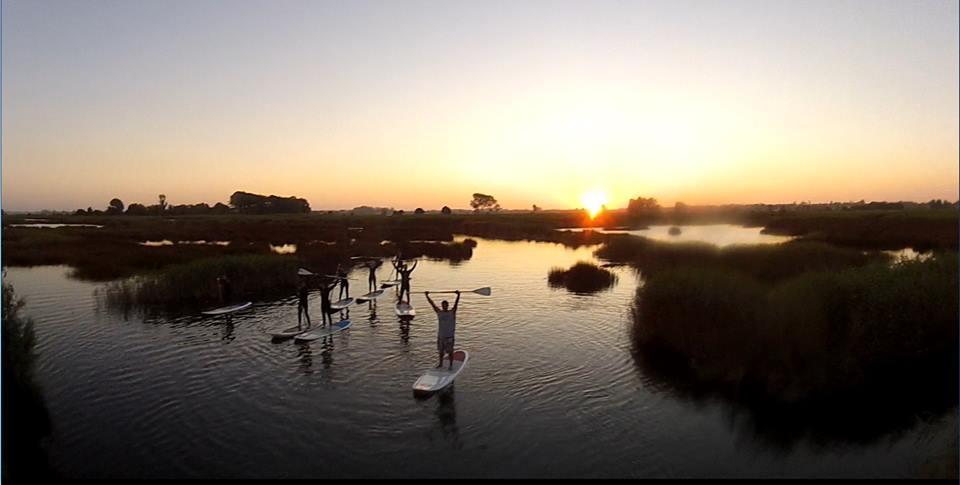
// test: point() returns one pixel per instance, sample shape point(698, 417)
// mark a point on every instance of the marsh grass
point(766, 262)
point(194, 284)
point(807, 336)
point(25, 416)
point(582, 277)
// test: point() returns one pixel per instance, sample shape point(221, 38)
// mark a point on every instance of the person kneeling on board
point(446, 327)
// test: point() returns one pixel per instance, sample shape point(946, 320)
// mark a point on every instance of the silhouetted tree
point(246, 202)
point(536, 208)
point(642, 207)
point(446, 211)
point(115, 207)
point(680, 211)
point(418, 211)
point(484, 201)
point(163, 202)
point(136, 209)
point(220, 208)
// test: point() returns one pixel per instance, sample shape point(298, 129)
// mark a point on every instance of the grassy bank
point(194, 284)
point(770, 262)
point(810, 335)
point(582, 278)
point(114, 250)
point(26, 422)
point(895, 229)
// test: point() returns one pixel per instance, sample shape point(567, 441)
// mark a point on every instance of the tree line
point(240, 202)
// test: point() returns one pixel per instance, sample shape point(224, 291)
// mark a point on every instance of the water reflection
point(228, 334)
point(718, 234)
point(859, 417)
point(446, 418)
point(372, 315)
point(284, 248)
point(55, 226)
point(305, 356)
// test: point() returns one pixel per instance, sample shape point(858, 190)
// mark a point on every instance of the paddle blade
point(485, 291)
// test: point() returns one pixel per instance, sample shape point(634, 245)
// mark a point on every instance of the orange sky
point(421, 105)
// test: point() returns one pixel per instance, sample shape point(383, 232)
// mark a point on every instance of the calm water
point(54, 226)
point(551, 390)
point(718, 234)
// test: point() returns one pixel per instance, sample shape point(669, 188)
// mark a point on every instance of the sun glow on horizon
point(594, 201)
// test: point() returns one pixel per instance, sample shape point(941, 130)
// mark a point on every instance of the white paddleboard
point(304, 272)
point(323, 332)
point(228, 309)
point(436, 379)
point(373, 295)
point(404, 309)
point(341, 304)
point(389, 283)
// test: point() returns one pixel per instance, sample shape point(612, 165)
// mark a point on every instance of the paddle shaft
point(478, 291)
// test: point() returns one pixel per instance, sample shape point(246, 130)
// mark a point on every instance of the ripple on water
point(551, 388)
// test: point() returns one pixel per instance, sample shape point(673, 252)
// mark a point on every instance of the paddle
point(485, 291)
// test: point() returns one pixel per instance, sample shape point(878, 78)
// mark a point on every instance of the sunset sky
point(419, 104)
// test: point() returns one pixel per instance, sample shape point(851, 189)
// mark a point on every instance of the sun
point(594, 201)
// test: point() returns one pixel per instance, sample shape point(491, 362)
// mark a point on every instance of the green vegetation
point(26, 423)
point(764, 262)
point(114, 250)
point(810, 335)
point(582, 277)
point(194, 284)
point(882, 229)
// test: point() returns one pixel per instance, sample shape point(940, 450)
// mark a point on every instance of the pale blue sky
point(347, 102)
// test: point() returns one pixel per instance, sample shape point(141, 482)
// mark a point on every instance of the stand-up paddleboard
point(304, 272)
point(436, 379)
point(286, 333)
point(228, 309)
point(373, 295)
point(389, 283)
point(341, 304)
point(323, 332)
point(404, 309)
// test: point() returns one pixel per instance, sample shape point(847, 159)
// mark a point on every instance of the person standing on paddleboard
point(326, 287)
point(404, 272)
point(446, 327)
point(302, 309)
point(372, 278)
point(344, 283)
